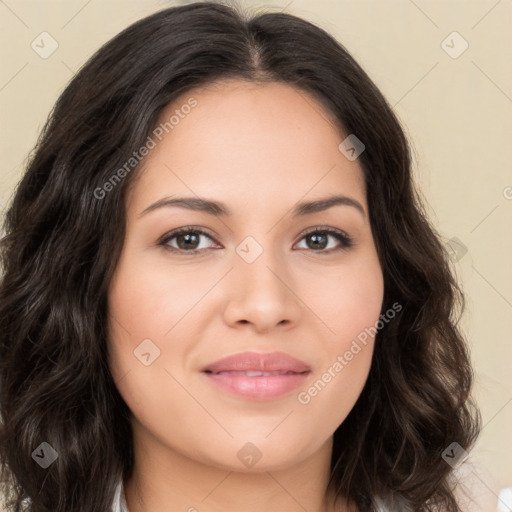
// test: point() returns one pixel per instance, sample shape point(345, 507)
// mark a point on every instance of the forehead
point(243, 140)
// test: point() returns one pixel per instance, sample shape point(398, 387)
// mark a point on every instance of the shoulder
point(475, 489)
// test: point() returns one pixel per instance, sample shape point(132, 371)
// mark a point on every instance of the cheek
point(349, 305)
point(150, 306)
point(332, 394)
point(347, 300)
point(139, 303)
point(148, 299)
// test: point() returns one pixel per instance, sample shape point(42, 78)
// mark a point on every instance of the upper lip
point(253, 361)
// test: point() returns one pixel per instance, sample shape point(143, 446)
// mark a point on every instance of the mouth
point(253, 373)
point(254, 376)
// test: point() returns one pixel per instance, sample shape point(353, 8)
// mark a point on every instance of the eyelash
point(346, 241)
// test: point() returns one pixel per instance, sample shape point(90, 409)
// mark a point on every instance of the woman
point(220, 289)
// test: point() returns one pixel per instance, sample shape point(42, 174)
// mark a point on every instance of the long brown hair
point(63, 239)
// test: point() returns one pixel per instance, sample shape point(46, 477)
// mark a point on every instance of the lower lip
point(258, 388)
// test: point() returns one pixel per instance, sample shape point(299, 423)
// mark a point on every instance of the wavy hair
point(62, 242)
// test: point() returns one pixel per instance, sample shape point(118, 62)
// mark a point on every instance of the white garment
point(119, 503)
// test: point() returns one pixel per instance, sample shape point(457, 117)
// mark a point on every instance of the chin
point(260, 456)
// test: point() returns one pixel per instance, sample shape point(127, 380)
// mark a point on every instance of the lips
point(257, 376)
point(275, 362)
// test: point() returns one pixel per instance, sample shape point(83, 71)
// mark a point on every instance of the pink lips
point(258, 376)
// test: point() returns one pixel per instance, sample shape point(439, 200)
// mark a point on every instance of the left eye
point(320, 240)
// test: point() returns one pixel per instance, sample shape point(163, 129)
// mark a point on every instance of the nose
point(262, 295)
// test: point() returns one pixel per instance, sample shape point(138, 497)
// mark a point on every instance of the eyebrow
point(218, 209)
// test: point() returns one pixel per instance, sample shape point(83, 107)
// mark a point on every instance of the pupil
point(316, 237)
point(187, 237)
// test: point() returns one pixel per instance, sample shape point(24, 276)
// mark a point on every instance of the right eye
point(186, 240)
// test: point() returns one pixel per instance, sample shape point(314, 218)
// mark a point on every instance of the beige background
point(457, 112)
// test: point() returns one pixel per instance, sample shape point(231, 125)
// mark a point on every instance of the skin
point(198, 308)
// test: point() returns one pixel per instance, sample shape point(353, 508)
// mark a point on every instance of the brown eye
point(185, 240)
point(319, 240)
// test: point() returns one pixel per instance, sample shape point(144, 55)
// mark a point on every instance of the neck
point(164, 480)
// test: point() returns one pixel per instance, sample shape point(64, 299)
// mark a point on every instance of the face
point(262, 267)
